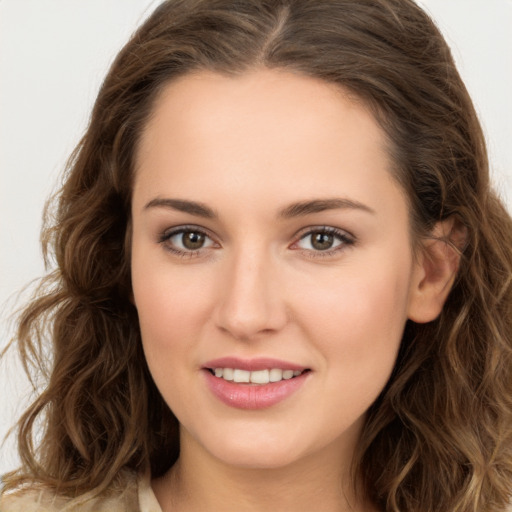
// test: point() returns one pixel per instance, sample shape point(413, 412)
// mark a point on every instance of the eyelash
point(346, 240)
point(167, 235)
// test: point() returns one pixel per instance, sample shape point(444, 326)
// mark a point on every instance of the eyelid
point(346, 238)
point(168, 233)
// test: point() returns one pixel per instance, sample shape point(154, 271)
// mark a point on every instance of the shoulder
point(45, 501)
point(135, 496)
point(30, 500)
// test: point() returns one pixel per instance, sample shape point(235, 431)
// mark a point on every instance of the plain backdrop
point(53, 56)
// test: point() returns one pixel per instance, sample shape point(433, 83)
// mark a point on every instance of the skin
point(247, 148)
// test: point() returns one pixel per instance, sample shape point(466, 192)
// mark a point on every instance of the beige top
point(138, 496)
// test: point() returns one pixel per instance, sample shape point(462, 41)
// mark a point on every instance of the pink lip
point(252, 396)
point(261, 363)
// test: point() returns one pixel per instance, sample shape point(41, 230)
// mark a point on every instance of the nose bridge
point(252, 301)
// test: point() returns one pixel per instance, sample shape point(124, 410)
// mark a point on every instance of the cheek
point(169, 303)
point(164, 310)
point(167, 294)
point(366, 299)
point(357, 323)
point(170, 317)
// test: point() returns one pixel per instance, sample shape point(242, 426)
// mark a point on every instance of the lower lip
point(253, 396)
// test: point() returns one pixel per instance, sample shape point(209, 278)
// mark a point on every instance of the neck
point(199, 481)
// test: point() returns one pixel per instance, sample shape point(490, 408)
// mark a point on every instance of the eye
point(186, 241)
point(324, 239)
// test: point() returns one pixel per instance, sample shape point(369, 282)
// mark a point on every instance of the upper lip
point(260, 363)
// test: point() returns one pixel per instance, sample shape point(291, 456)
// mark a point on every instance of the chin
point(253, 450)
point(251, 458)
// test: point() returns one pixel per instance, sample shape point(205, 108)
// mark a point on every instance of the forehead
point(260, 130)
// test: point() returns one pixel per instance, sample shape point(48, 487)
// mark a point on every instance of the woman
point(283, 280)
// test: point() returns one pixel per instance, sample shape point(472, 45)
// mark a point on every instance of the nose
point(252, 300)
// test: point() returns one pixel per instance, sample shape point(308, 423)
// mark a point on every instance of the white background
point(53, 56)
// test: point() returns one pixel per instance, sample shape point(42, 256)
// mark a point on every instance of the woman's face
point(269, 237)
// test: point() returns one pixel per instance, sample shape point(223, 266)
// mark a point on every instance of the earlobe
point(436, 269)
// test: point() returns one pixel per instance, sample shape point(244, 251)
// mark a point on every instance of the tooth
point(287, 374)
point(260, 377)
point(275, 375)
point(241, 375)
point(296, 373)
point(227, 373)
point(218, 372)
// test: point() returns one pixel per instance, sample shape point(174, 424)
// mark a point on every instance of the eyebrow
point(299, 209)
point(182, 205)
point(320, 205)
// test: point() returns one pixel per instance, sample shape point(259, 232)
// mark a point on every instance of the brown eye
point(186, 241)
point(322, 241)
point(192, 240)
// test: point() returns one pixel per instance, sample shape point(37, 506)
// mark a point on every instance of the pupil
point(193, 240)
point(322, 241)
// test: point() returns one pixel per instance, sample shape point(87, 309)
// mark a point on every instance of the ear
point(435, 270)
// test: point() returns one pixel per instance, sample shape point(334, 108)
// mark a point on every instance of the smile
point(254, 384)
point(261, 377)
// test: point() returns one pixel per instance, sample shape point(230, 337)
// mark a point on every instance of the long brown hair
point(439, 437)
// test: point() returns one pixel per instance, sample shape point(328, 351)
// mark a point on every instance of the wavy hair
point(439, 437)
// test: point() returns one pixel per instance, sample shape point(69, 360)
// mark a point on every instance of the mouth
point(256, 383)
point(257, 377)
